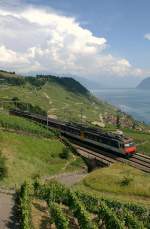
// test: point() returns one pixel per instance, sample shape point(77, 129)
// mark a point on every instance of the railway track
point(93, 155)
point(138, 161)
point(141, 161)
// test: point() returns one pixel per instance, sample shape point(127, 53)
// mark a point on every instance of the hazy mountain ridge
point(40, 80)
point(145, 84)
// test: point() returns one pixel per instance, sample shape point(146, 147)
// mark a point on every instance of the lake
point(132, 101)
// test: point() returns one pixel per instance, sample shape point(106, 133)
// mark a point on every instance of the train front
point(129, 147)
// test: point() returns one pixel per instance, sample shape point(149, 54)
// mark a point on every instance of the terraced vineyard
point(60, 97)
point(69, 209)
point(20, 124)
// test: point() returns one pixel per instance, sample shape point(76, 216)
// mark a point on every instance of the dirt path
point(68, 179)
point(8, 219)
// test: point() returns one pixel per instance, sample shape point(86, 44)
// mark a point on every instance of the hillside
point(32, 153)
point(61, 97)
point(127, 184)
point(52, 205)
point(145, 84)
point(30, 150)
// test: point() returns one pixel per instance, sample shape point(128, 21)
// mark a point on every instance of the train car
point(106, 140)
point(96, 137)
point(120, 144)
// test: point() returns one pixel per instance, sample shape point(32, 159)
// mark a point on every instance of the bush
point(65, 153)
point(25, 206)
point(58, 216)
point(3, 169)
point(126, 180)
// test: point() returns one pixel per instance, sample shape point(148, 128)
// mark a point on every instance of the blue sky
point(116, 33)
point(123, 23)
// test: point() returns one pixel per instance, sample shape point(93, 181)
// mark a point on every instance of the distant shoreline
point(113, 88)
point(133, 101)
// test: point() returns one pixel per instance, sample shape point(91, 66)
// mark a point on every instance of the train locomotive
point(116, 143)
point(113, 142)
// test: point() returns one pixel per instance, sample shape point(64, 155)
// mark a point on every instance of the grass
point(28, 156)
point(16, 123)
point(3, 169)
point(108, 182)
point(58, 101)
point(142, 140)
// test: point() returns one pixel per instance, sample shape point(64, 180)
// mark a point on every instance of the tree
point(118, 123)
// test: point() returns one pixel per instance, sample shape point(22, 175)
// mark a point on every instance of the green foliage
point(106, 216)
point(40, 80)
point(29, 107)
point(16, 103)
point(21, 124)
point(51, 192)
point(15, 99)
point(125, 213)
point(25, 206)
point(58, 216)
point(109, 217)
point(109, 213)
point(55, 192)
point(3, 169)
point(35, 81)
point(65, 153)
point(90, 201)
point(69, 145)
point(118, 121)
point(57, 96)
point(7, 72)
point(8, 79)
point(67, 82)
point(133, 216)
point(80, 212)
point(126, 180)
point(131, 221)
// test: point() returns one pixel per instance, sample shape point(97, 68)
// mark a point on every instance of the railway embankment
point(119, 182)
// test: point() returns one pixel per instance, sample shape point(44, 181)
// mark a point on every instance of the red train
point(91, 136)
point(107, 140)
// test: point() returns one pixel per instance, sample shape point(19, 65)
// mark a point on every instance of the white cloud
point(147, 36)
point(39, 40)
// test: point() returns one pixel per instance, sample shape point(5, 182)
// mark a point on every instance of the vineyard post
point(47, 120)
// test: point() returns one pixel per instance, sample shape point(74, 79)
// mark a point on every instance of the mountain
point(60, 97)
point(145, 84)
point(88, 83)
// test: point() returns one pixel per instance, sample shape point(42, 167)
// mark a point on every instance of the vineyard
point(73, 209)
point(20, 124)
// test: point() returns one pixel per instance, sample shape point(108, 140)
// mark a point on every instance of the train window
point(115, 144)
point(121, 145)
point(129, 144)
point(106, 141)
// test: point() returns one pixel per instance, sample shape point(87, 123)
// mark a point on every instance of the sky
point(102, 40)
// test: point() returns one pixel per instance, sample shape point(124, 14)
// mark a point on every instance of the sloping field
point(28, 156)
point(119, 181)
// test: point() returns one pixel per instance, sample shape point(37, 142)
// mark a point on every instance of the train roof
point(100, 132)
point(91, 130)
